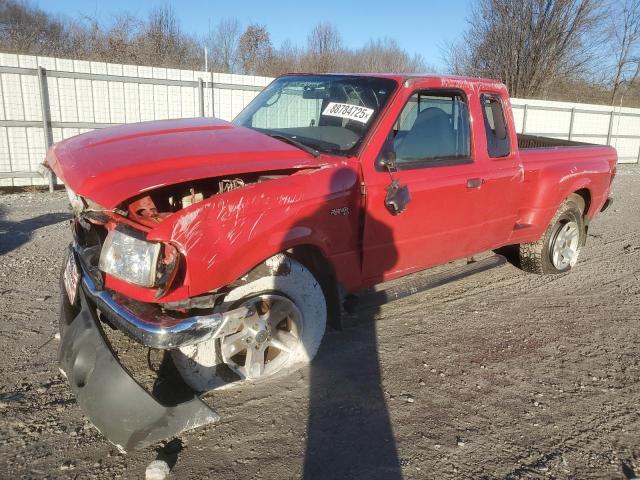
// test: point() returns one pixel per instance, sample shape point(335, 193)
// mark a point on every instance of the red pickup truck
point(231, 245)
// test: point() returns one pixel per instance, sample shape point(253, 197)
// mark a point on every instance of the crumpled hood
point(112, 165)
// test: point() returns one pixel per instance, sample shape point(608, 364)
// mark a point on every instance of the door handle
point(475, 182)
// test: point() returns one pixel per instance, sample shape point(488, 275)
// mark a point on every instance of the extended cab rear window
point(433, 129)
point(495, 125)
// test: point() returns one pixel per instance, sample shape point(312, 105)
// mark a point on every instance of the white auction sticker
point(352, 112)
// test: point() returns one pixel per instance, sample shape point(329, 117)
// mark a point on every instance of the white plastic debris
point(157, 470)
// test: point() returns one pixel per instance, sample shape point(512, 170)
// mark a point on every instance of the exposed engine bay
point(151, 208)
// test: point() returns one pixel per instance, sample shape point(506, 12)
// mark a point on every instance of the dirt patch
point(502, 375)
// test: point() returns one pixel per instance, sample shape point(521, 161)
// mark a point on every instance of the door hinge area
point(363, 188)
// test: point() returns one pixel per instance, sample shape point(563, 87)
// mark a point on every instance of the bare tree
point(161, 30)
point(324, 45)
point(255, 50)
point(122, 39)
point(529, 44)
point(384, 55)
point(223, 43)
point(287, 59)
point(625, 29)
point(162, 39)
point(25, 29)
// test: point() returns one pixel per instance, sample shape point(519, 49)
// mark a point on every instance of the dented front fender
point(225, 236)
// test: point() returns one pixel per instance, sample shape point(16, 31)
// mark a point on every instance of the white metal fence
point(43, 100)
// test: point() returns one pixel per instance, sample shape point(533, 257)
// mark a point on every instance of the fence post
point(573, 115)
point(46, 117)
point(524, 118)
point(213, 97)
point(610, 127)
point(201, 96)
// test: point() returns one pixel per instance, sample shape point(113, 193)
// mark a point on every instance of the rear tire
point(558, 249)
point(280, 287)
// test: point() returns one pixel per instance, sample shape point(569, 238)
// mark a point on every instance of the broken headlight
point(129, 258)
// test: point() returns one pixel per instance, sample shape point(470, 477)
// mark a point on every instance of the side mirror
point(397, 198)
point(388, 161)
point(398, 195)
point(387, 158)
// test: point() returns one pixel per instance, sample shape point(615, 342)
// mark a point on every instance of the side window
point(495, 125)
point(432, 129)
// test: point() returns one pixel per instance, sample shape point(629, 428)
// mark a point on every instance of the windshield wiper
point(295, 143)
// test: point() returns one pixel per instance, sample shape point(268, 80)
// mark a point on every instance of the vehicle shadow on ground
point(511, 253)
point(628, 471)
point(14, 234)
point(349, 433)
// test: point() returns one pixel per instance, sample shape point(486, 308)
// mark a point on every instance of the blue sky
point(420, 27)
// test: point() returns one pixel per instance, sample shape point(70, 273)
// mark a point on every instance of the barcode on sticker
point(352, 112)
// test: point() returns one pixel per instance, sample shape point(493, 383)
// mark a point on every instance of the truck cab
point(456, 150)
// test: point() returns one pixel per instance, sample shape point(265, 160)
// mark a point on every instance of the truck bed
point(563, 166)
point(531, 141)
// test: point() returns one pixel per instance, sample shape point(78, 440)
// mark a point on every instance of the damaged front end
point(161, 209)
point(105, 244)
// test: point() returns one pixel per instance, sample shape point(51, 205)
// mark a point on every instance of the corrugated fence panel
point(19, 152)
point(174, 102)
point(100, 92)
point(117, 112)
point(12, 89)
point(187, 102)
point(132, 102)
point(160, 99)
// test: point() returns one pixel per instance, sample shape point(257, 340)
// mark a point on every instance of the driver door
point(432, 144)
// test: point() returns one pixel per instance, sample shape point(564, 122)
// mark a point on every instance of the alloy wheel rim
point(566, 246)
point(261, 345)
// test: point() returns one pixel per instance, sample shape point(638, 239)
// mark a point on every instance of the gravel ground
point(502, 375)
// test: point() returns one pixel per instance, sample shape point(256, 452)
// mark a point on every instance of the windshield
point(327, 113)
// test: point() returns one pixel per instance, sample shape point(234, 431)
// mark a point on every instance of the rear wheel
point(558, 249)
point(282, 336)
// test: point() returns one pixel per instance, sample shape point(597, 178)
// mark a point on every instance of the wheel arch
point(585, 195)
point(314, 259)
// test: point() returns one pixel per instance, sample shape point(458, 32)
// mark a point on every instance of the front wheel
point(282, 336)
point(558, 249)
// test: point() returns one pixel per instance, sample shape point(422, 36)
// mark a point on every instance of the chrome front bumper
point(152, 328)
